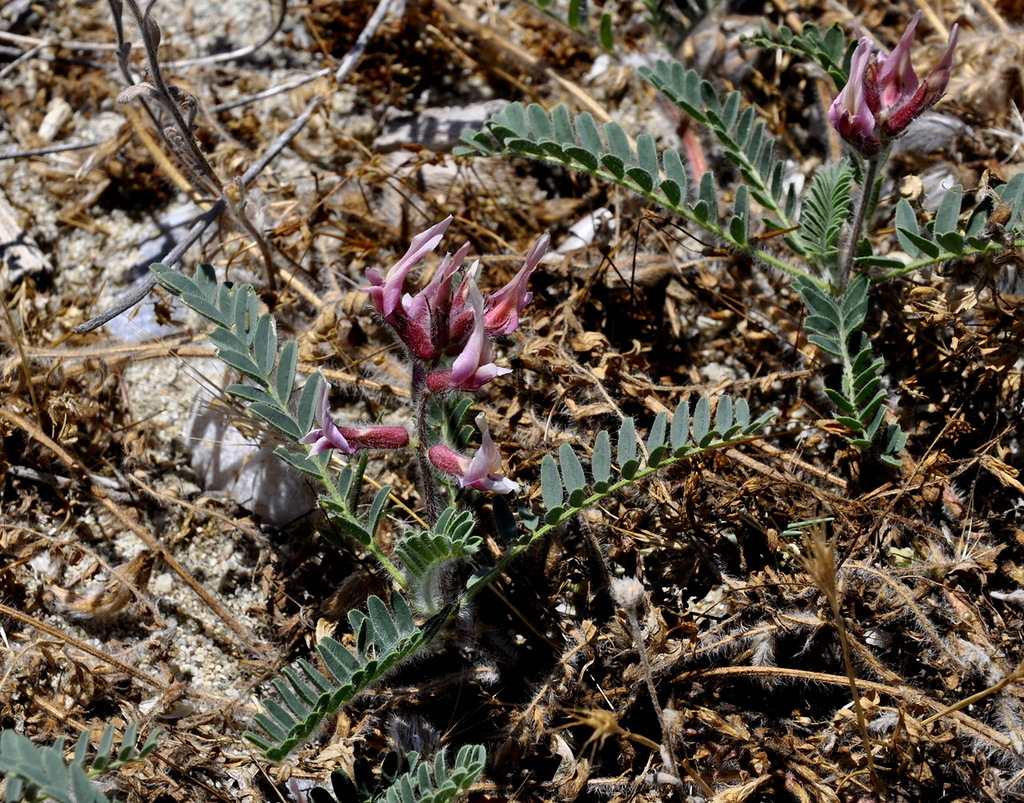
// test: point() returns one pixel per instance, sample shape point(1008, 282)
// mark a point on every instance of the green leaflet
point(308, 695)
point(835, 326)
point(424, 782)
point(38, 773)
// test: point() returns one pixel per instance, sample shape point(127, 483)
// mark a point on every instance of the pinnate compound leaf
point(744, 141)
point(827, 49)
point(383, 638)
point(424, 782)
point(579, 143)
point(26, 766)
point(836, 328)
point(825, 210)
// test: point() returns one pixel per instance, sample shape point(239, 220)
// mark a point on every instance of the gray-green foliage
point(430, 557)
point(577, 16)
point(306, 696)
point(675, 20)
point(34, 773)
point(835, 326)
point(943, 238)
point(566, 488)
point(607, 153)
point(824, 212)
point(424, 781)
point(343, 507)
point(742, 135)
point(672, 20)
point(830, 50)
point(246, 340)
point(812, 227)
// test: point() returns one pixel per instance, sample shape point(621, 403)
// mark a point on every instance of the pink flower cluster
point(449, 319)
point(884, 94)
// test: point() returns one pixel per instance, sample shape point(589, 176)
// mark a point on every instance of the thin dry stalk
point(181, 107)
point(820, 564)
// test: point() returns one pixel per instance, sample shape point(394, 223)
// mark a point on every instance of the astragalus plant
point(447, 329)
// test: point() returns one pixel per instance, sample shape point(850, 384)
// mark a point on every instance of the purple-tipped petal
point(425, 328)
point(850, 113)
point(896, 77)
point(387, 292)
point(506, 305)
point(928, 94)
point(327, 435)
point(482, 472)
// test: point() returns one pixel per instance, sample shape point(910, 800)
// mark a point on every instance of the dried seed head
point(628, 592)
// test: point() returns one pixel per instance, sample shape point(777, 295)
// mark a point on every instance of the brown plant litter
point(141, 581)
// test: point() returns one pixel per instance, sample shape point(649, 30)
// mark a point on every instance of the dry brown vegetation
point(129, 591)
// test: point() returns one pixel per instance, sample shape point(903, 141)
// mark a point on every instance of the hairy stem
point(420, 400)
point(343, 504)
point(866, 201)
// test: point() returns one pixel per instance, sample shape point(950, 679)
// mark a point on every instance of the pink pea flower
point(425, 326)
point(902, 95)
point(472, 368)
point(328, 435)
point(348, 440)
point(482, 472)
point(386, 291)
point(884, 94)
point(504, 306)
point(850, 113)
